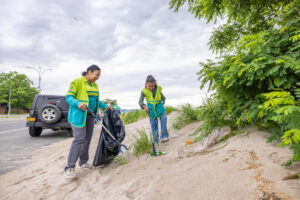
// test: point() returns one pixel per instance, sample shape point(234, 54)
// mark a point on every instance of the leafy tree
point(22, 93)
point(243, 17)
point(112, 102)
point(256, 78)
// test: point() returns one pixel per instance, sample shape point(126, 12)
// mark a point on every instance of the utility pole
point(9, 108)
point(40, 72)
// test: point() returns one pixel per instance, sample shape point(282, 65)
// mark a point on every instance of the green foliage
point(281, 110)
point(186, 115)
point(261, 42)
point(22, 92)
point(142, 144)
point(251, 12)
point(213, 115)
point(140, 114)
point(225, 37)
point(243, 17)
point(112, 102)
point(169, 109)
point(133, 116)
point(120, 160)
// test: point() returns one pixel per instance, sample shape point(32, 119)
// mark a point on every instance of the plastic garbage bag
point(108, 148)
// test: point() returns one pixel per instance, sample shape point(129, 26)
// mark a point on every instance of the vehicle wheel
point(35, 131)
point(49, 114)
point(71, 132)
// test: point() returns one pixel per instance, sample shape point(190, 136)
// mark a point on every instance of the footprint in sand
point(96, 179)
point(139, 187)
point(275, 158)
point(183, 152)
point(60, 158)
point(108, 181)
point(24, 179)
point(37, 170)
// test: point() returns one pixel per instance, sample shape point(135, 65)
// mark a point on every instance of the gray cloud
point(129, 39)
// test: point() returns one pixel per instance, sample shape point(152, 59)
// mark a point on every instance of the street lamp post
point(9, 107)
point(40, 72)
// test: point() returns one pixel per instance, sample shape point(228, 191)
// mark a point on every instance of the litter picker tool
point(109, 133)
point(156, 153)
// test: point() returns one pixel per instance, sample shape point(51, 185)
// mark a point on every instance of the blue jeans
point(154, 128)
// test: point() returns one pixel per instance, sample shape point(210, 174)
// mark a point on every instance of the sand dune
point(240, 170)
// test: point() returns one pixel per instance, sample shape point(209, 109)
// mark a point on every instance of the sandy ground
point(240, 170)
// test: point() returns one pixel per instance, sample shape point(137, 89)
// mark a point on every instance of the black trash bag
point(108, 148)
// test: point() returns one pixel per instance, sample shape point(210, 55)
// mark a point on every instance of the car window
point(58, 101)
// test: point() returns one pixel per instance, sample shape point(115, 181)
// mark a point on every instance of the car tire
point(70, 132)
point(35, 131)
point(49, 114)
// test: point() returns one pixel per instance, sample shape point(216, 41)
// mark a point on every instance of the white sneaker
point(164, 140)
point(70, 172)
point(85, 166)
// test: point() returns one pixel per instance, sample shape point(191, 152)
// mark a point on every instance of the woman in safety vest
point(82, 92)
point(155, 109)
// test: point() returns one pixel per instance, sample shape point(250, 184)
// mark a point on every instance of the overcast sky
point(127, 39)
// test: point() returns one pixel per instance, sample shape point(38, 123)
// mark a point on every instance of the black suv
point(48, 112)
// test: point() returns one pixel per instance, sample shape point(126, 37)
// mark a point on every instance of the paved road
point(17, 146)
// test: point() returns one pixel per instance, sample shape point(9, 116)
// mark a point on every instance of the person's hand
point(146, 109)
point(82, 106)
point(164, 102)
point(108, 107)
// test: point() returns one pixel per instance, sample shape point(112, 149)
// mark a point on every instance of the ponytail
point(83, 73)
point(91, 68)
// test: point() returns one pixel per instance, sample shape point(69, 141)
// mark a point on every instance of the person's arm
point(141, 101)
point(102, 105)
point(163, 98)
point(72, 101)
point(71, 95)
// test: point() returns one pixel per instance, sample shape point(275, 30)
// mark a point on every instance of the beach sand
point(239, 169)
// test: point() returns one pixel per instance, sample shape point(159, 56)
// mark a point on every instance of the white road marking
point(13, 130)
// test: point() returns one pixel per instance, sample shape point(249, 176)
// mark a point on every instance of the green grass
point(142, 144)
point(120, 160)
point(169, 109)
point(133, 116)
point(209, 113)
point(213, 115)
point(186, 115)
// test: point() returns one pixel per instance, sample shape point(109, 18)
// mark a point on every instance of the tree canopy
point(256, 78)
point(22, 92)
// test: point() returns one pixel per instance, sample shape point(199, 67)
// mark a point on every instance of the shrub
point(169, 109)
point(186, 115)
point(142, 144)
point(134, 116)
